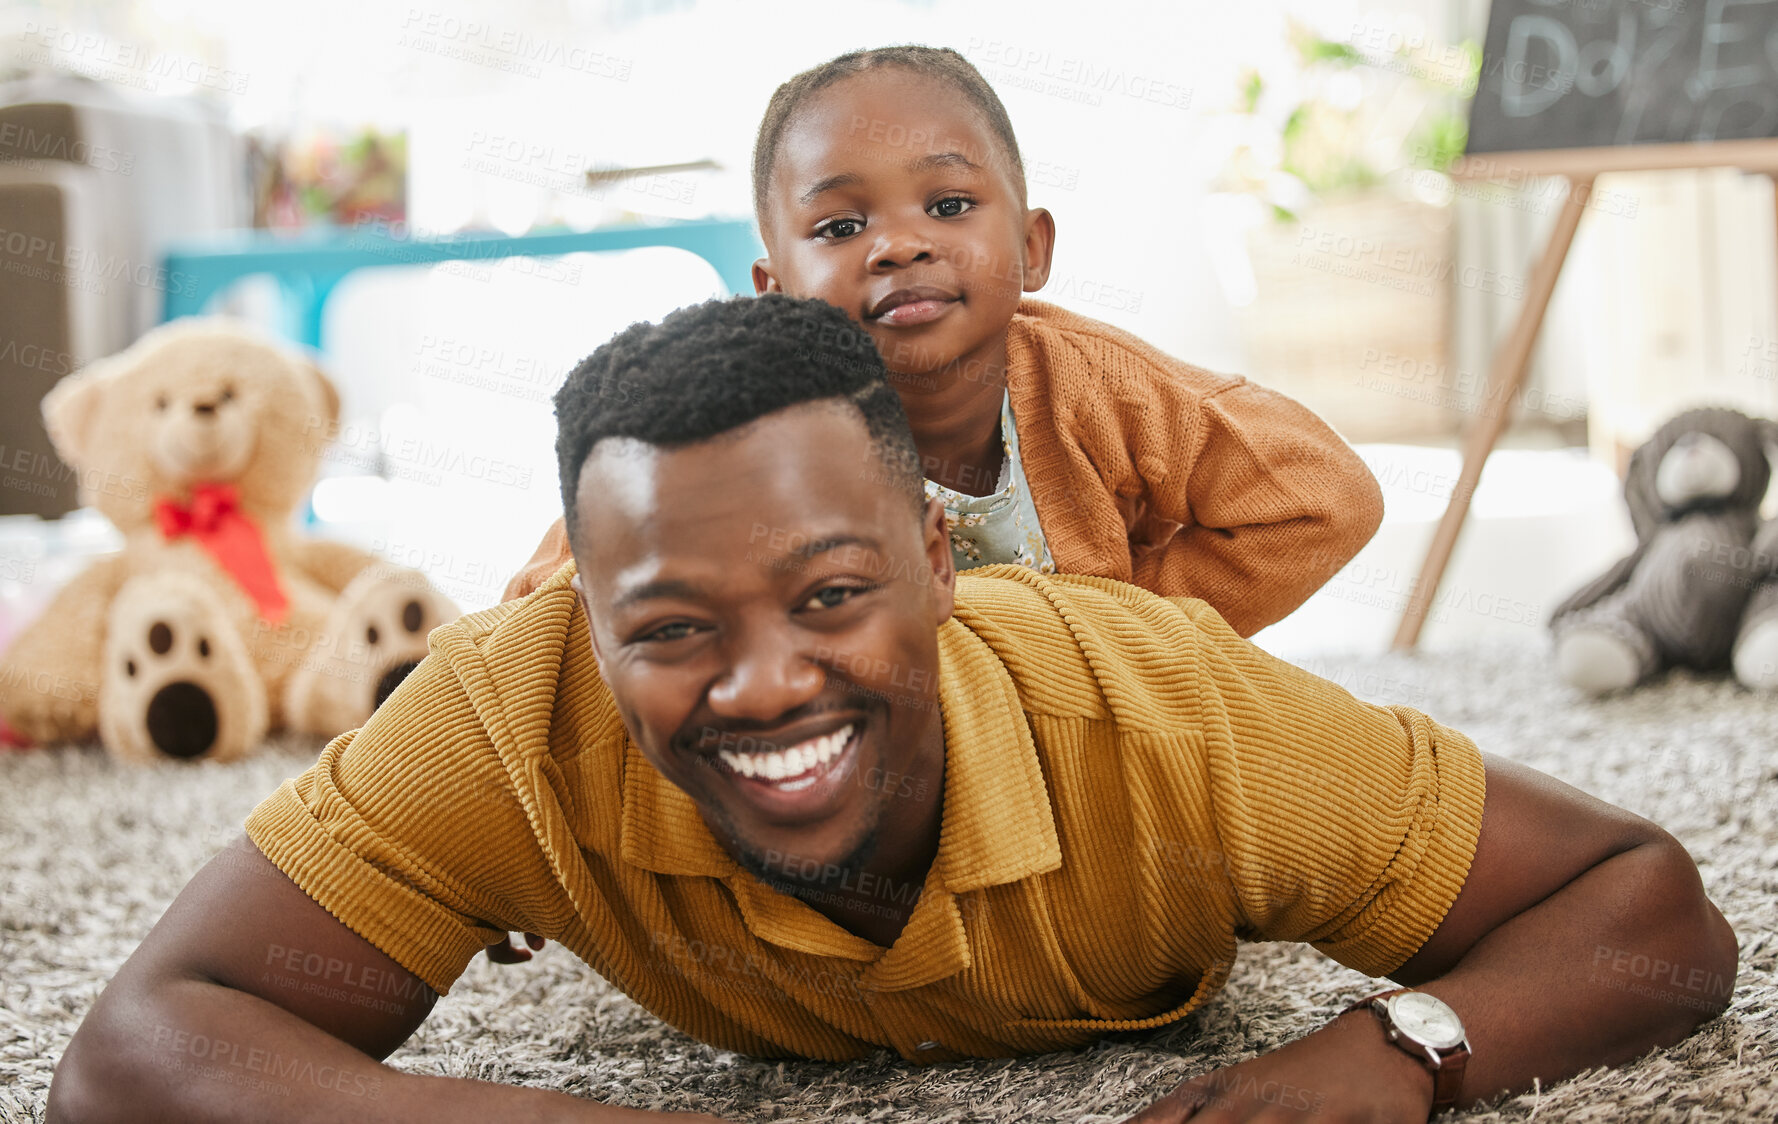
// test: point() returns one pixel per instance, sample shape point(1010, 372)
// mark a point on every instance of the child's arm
point(551, 555)
point(1271, 503)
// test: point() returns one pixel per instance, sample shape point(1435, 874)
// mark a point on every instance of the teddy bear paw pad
point(374, 636)
point(178, 682)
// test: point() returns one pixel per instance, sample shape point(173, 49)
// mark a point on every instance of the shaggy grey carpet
point(93, 853)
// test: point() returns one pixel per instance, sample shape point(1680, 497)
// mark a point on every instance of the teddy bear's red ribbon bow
point(214, 518)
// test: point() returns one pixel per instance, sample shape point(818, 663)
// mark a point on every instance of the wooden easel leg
point(1511, 362)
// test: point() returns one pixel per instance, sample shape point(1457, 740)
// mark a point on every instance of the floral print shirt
point(1001, 526)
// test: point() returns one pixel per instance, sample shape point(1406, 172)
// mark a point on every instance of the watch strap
point(1446, 1066)
point(1447, 1078)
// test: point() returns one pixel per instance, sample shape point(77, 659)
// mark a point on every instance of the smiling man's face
point(764, 608)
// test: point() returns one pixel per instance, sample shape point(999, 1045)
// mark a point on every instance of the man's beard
point(754, 861)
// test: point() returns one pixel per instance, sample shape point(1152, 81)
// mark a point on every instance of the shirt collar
point(998, 826)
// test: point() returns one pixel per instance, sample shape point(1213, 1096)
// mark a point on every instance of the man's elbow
point(100, 1077)
point(76, 1092)
point(1720, 950)
point(1697, 977)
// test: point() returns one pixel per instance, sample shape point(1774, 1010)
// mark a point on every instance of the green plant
point(1343, 116)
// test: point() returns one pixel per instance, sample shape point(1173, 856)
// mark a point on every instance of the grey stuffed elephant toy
point(1701, 588)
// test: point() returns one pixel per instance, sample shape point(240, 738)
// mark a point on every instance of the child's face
point(891, 198)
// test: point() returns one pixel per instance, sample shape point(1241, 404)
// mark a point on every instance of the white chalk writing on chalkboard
point(1583, 73)
point(1529, 88)
point(1657, 54)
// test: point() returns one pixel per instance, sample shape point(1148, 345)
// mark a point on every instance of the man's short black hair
point(711, 368)
point(940, 63)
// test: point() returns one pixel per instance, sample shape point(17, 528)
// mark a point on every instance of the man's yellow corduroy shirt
point(1129, 789)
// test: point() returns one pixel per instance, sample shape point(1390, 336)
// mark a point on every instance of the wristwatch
point(1426, 1027)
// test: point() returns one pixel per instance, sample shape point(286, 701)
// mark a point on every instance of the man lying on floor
point(866, 804)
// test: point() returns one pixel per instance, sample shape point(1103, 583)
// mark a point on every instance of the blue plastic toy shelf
point(308, 265)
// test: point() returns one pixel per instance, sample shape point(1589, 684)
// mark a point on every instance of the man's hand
point(1346, 1070)
point(505, 952)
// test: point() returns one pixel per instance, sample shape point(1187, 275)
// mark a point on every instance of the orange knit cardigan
point(1149, 470)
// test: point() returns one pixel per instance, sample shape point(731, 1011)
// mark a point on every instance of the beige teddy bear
point(218, 620)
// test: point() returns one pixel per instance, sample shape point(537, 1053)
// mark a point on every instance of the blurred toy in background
point(38, 557)
point(218, 620)
point(1756, 644)
point(1701, 588)
point(317, 178)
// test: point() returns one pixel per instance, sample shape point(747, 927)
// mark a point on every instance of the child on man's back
point(889, 183)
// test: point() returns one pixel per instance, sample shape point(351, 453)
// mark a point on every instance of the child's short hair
point(934, 62)
point(714, 367)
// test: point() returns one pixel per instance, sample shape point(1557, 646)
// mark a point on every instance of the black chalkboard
point(1590, 73)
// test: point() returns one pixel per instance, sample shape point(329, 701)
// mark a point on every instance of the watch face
point(1426, 1019)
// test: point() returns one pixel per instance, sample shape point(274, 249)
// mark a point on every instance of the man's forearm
point(1629, 956)
point(199, 1052)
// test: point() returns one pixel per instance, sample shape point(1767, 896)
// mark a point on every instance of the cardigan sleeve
point(551, 555)
point(1269, 500)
